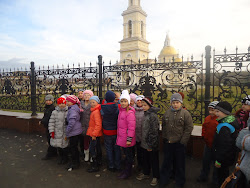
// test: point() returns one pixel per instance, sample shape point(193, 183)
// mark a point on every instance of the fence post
point(207, 81)
point(33, 89)
point(100, 76)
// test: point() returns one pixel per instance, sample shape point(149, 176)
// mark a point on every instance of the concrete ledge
point(23, 122)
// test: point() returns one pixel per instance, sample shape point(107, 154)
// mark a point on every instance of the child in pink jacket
point(126, 132)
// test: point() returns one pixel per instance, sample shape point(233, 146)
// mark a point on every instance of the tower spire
point(167, 40)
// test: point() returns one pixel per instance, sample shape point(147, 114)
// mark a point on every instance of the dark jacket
point(47, 113)
point(224, 142)
point(177, 126)
point(139, 114)
point(109, 112)
point(150, 129)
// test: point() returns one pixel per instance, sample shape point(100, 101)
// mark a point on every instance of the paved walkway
point(21, 166)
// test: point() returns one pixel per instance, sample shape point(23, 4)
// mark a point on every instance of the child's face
point(62, 105)
point(80, 95)
point(176, 105)
point(220, 114)
point(86, 97)
point(93, 103)
point(124, 103)
point(245, 107)
point(145, 106)
point(132, 102)
point(139, 103)
point(117, 96)
point(69, 103)
point(211, 111)
point(49, 102)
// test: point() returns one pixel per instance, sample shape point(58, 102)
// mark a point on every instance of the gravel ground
point(21, 166)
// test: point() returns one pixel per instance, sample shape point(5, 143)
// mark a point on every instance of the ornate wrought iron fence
point(25, 90)
point(15, 89)
point(159, 81)
point(231, 75)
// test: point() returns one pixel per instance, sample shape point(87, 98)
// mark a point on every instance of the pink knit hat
point(133, 96)
point(73, 99)
point(88, 92)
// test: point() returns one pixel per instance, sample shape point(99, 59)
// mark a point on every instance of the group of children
point(130, 127)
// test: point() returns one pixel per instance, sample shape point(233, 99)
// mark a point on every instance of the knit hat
point(61, 100)
point(49, 98)
point(133, 96)
point(224, 107)
point(110, 96)
point(139, 98)
point(125, 95)
point(65, 95)
point(96, 98)
point(81, 90)
point(246, 100)
point(176, 97)
point(148, 101)
point(88, 92)
point(213, 104)
point(74, 99)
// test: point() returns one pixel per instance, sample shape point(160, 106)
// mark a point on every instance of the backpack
point(237, 179)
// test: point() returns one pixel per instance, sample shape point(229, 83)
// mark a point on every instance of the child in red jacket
point(208, 132)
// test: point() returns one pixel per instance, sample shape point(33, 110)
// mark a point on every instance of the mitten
point(52, 135)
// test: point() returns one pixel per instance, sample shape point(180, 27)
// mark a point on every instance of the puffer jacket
point(95, 122)
point(245, 163)
point(150, 129)
point(126, 127)
point(139, 114)
point(209, 129)
point(177, 126)
point(224, 141)
point(109, 112)
point(85, 116)
point(74, 126)
point(57, 125)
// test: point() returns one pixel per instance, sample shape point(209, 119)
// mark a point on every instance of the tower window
point(142, 29)
point(130, 28)
point(131, 2)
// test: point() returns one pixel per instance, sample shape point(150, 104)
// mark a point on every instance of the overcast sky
point(76, 31)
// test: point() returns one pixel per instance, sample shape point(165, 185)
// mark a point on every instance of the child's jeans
point(139, 154)
point(206, 164)
point(73, 148)
point(95, 149)
point(151, 160)
point(129, 158)
point(113, 151)
point(171, 151)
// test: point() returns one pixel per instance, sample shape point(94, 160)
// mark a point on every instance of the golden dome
point(168, 50)
point(177, 59)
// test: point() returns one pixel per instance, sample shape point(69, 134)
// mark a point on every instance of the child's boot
point(86, 153)
point(94, 166)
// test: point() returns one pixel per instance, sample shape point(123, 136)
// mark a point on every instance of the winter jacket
point(177, 126)
point(209, 129)
point(126, 127)
point(245, 163)
point(224, 141)
point(74, 126)
point(95, 122)
point(109, 112)
point(139, 115)
point(57, 124)
point(47, 113)
point(242, 117)
point(85, 115)
point(150, 129)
